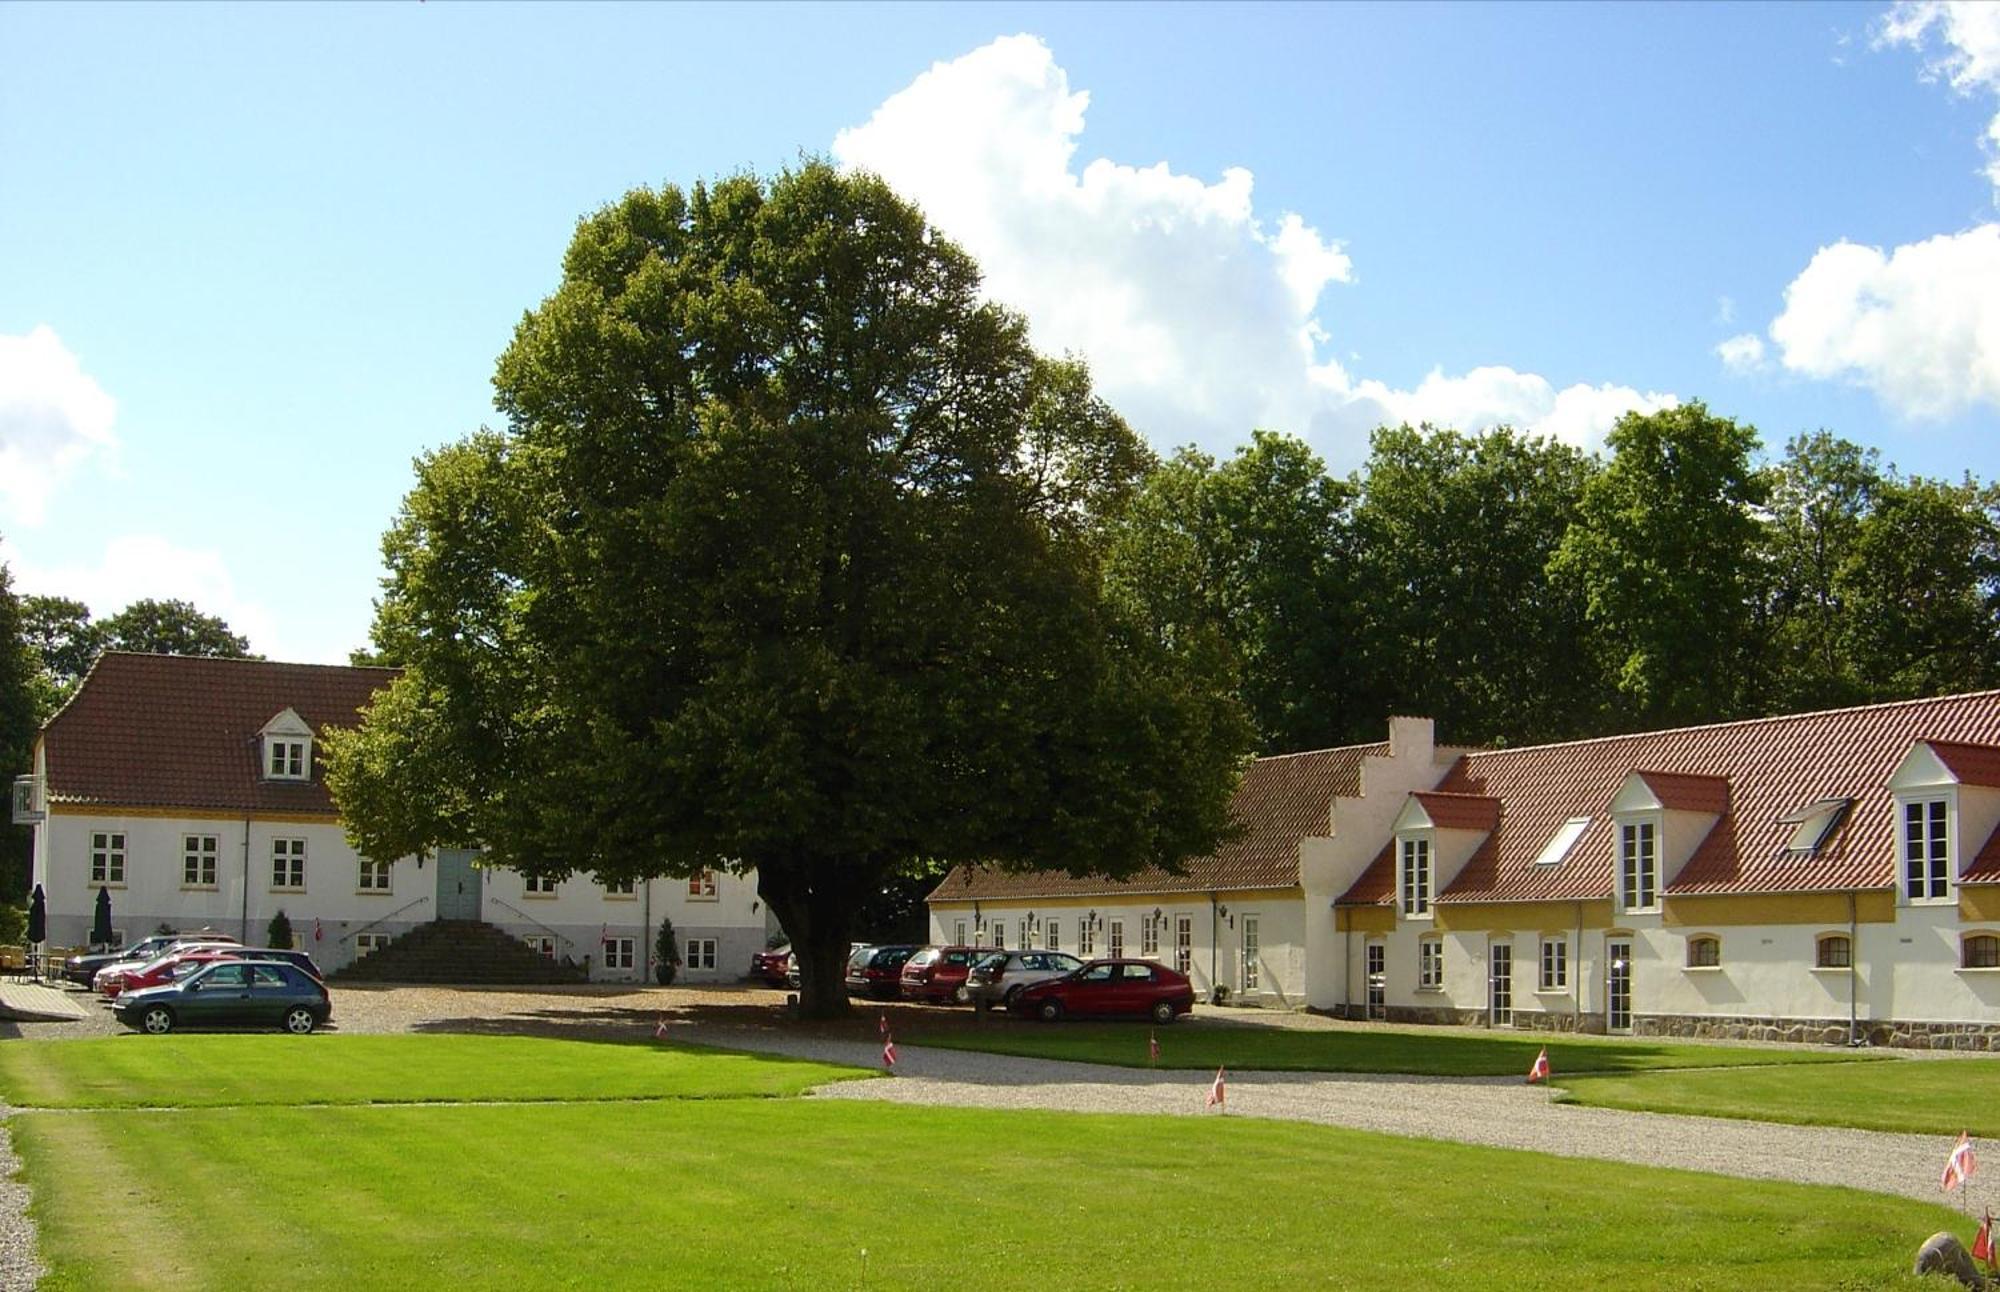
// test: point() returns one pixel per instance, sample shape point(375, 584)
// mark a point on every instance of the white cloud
point(1744, 353)
point(1198, 316)
point(1579, 415)
point(137, 566)
point(53, 416)
point(1969, 60)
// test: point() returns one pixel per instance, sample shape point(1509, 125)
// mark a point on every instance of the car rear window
point(891, 959)
point(1138, 973)
point(991, 960)
point(923, 957)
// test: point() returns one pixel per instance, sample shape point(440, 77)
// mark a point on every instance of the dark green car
point(231, 993)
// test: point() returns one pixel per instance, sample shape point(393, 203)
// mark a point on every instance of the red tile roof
point(1376, 885)
point(1773, 767)
point(1280, 801)
point(1970, 764)
point(180, 731)
point(1459, 811)
point(1683, 793)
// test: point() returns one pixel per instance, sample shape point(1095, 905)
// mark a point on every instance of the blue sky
point(254, 259)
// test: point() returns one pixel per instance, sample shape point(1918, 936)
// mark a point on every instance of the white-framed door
point(1618, 984)
point(1500, 984)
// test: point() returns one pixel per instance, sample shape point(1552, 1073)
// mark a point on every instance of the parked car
point(771, 966)
point(1110, 987)
point(878, 971)
point(937, 974)
point(231, 993)
point(792, 965)
point(179, 946)
point(999, 976)
point(81, 969)
point(114, 980)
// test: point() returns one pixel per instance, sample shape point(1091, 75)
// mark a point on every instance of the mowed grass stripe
point(1928, 1096)
point(1271, 1049)
point(227, 1070)
point(788, 1194)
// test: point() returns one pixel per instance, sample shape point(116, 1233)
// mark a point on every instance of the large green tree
point(1821, 493)
point(789, 558)
point(171, 628)
point(1664, 554)
point(65, 641)
point(1921, 588)
point(20, 716)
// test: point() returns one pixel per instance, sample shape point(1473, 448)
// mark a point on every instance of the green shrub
point(666, 954)
point(13, 925)
point(280, 932)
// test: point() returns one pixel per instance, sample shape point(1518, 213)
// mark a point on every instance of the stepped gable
point(1280, 801)
point(1772, 768)
point(181, 731)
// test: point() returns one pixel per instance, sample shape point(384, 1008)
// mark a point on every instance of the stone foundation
point(1705, 1027)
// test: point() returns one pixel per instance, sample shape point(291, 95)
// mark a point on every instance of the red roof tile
point(181, 731)
point(1683, 793)
point(1970, 764)
point(1280, 801)
point(1773, 766)
point(1376, 885)
point(1459, 811)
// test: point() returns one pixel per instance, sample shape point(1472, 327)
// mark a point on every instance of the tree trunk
point(816, 914)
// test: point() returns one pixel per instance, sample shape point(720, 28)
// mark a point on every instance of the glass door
point(1377, 960)
point(1500, 985)
point(1618, 985)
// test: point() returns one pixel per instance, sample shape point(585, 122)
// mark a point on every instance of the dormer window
point(1415, 876)
point(285, 759)
point(1813, 825)
point(1638, 866)
point(1926, 850)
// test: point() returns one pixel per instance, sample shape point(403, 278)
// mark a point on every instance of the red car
point(937, 974)
point(1105, 987)
point(166, 969)
point(771, 966)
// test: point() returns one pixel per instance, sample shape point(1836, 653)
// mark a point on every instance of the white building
point(191, 790)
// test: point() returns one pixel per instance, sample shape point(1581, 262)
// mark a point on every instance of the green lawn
point(1935, 1097)
point(217, 1071)
point(1434, 1053)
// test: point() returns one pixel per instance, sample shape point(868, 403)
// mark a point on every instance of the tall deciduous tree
point(1821, 493)
point(1921, 586)
point(171, 628)
point(789, 558)
point(1664, 553)
point(20, 716)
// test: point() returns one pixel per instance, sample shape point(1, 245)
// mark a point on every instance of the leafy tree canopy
point(790, 557)
point(65, 641)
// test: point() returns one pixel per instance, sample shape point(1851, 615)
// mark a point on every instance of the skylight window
point(1814, 824)
point(1564, 839)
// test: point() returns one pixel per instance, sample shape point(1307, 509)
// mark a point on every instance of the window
point(1086, 937)
point(1562, 841)
point(1184, 943)
point(1638, 867)
point(369, 943)
point(1021, 933)
point(541, 943)
point(198, 853)
point(621, 888)
point(288, 864)
point(1054, 939)
point(1704, 952)
point(1117, 943)
point(374, 876)
point(538, 885)
point(1924, 877)
point(107, 858)
point(1979, 951)
point(1833, 951)
point(998, 929)
point(700, 953)
point(958, 934)
point(1555, 964)
point(1253, 973)
point(1430, 964)
point(1416, 876)
point(1149, 937)
point(701, 886)
point(285, 759)
point(619, 952)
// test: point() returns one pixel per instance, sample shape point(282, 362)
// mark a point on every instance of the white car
point(998, 975)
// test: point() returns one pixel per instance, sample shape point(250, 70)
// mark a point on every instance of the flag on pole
point(660, 1029)
point(1153, 1046)
point(1217, 1092)
point(889, 1052)
point(318, 932)
point(1958, 1168)
point(1982, 1242)
point(881, 1025)
point(1539, 1070)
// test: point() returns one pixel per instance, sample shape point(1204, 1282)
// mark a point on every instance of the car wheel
point(1049, 1010)
point(1163, 1011)
point(959, 995)
point(159, 1020)
point(1013, 994)
point(299, 1020)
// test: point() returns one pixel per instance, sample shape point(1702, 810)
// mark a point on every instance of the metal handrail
point(384, 920)
point(560, 938)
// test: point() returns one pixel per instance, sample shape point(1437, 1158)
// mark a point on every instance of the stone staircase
point(462, 953)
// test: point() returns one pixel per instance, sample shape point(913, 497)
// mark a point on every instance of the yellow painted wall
point(1877, 907)
point(191, 814)
point(1522, 917)
point(1365, 919)
point(1181, 901)
point(1980, 905)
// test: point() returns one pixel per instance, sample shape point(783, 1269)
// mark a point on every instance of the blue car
point(231, 993)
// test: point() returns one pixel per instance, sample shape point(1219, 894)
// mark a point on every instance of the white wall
point(581, 914)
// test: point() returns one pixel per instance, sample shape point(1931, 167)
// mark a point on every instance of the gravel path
point(20, 1270)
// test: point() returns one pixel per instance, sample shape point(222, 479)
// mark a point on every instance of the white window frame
point(1820, 943)
point(620, 890)
point(539, 886)
point(621, 952)
point(1052, 934)
point(199, 855)
point(287, 758)
point(1251, 950)
point(1149, 937)
point(1114, 940)
point(1430, 963)
point(1939, 831)
point(958, 933)
point(1021, 933)
point(374, 877)
point(1183, 944)
point(1552, 963)
point(997, 930)
point(700, 953)
point(702, 887)
point(107, 858)
point(1086, 939)
point(1703, 940)
point(288, 865)
point(1415, 872)
point(1639, 864)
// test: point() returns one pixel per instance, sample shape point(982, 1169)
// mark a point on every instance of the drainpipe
point(1346, 970)
point(1853, 967)
point(646, 928)
point(1214, 936)
point(243, 934)
point(1576, 974)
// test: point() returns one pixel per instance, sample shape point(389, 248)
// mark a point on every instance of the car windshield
point(991, 960)
point(924, 957)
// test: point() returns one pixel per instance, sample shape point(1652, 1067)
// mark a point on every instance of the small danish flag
point(1153, 1046)
point(889, 1052)
point(1540, 1069)
point(1958, 1168)
point(660, 1030)
point(1217, 1092)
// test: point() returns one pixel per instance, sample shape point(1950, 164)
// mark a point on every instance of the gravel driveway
point(1501, 1112)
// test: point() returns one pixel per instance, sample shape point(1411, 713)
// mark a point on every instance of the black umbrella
point(38, 916)
point(100, 928)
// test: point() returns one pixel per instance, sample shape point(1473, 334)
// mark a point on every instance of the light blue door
point(458, 884)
